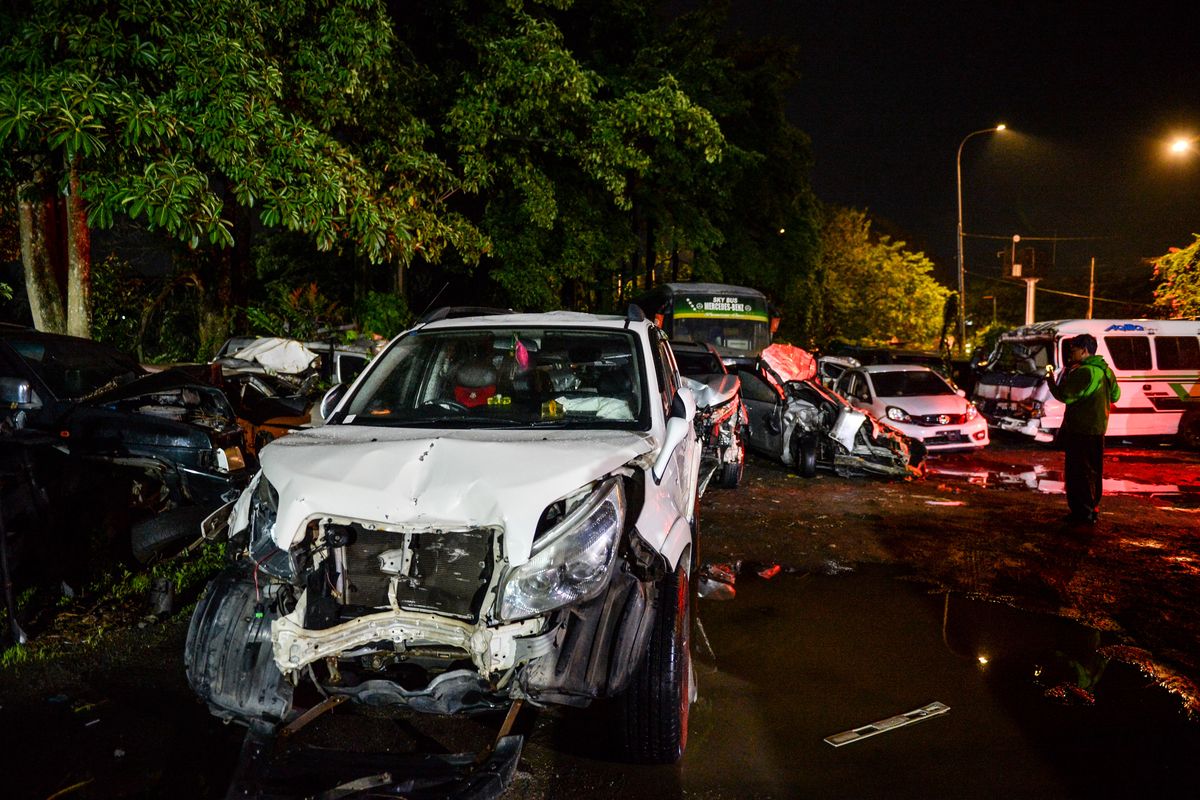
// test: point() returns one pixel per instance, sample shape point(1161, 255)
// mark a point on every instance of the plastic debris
point(921, 714)
point(716, 582)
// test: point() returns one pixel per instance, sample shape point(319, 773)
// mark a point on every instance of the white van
point(1157, 364)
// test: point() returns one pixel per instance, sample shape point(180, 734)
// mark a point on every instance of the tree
point(175, 113)
point(1177, 292)
point(563, 144)
point(875, 291)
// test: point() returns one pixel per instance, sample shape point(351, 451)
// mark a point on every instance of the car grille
point(952, 437)
point(940, 419)
point(445, 572)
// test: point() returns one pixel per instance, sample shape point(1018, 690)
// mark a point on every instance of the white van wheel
point(1189, 430)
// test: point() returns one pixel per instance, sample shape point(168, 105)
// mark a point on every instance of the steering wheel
point(447, 405)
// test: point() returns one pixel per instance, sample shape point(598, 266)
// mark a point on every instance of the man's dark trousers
point(1084, 465)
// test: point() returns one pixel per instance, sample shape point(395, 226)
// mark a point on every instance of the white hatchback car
point(919, 403)
point(500, 508)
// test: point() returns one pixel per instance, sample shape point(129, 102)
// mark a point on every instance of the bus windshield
point(737, 325)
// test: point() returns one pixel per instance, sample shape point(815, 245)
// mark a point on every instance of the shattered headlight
point(264, 508)
point(571, 562)
point(898, 414)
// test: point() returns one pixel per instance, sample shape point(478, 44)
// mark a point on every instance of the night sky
point(1090, 96)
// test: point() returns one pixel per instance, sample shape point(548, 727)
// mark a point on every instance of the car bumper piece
point(271, 769)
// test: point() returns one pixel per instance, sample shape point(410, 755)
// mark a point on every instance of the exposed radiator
point(446, 572)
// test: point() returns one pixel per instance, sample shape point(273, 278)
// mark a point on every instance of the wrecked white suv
point(500, 508)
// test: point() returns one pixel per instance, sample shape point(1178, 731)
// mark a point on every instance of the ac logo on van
point(1127, 326)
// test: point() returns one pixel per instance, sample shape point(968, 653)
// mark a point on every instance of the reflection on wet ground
point(1039, 705)
point(1151, 473)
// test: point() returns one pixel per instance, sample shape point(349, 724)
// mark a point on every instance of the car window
point(74, 368)
point(665, 362)
point(862, 389)
point(506, 377)
point(1177, 352)
point(846, 384)
point(349, 366)
point(1129, 352)
point(910, 383)
point(755, 388)
point(693, 363)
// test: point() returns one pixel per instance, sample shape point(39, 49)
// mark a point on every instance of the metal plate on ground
point(890, 724)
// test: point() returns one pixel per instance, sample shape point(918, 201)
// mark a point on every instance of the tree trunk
point(215, 297)
point(79, 259)
point(37, 214)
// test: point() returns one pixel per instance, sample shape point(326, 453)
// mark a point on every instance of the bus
point(1156, 362)
point(736, 320)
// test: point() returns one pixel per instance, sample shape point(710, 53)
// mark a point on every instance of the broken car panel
point(797, 420)
point(723, 422)
point(172, 444)
point(500, 509)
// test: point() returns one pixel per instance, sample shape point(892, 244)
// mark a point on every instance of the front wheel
point(1189, 430)
point(731, 474)
point(653, 709)
point(804, 454)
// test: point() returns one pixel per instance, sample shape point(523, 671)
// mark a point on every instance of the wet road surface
point(1036, 707)
point(1040, 706)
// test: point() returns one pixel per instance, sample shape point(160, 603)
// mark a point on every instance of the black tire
point(804, 454)
point(653, 709)
point(167, 531)
point(1189, 430)
point(731, 475)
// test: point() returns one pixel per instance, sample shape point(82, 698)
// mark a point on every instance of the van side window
point(1177, 352)
point(1129, 352)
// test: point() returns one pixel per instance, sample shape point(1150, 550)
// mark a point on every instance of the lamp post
point(962, 299)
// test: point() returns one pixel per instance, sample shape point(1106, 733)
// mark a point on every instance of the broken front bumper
point(1025, 427)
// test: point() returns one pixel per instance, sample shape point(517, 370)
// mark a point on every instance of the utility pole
point(1091, 287)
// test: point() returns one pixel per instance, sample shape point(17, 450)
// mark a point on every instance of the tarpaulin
point(790, 363)
point(278, 355)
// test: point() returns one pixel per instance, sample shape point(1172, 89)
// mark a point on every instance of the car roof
point(874, 368)
point(543, 319)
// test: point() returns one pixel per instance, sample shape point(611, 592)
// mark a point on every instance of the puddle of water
point(1047, 481)
point(1038, 706)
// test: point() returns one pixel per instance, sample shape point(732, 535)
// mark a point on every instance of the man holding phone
point(1088, 388)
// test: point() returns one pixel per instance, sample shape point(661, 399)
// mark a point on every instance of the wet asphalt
point(1037, 710)
point(1039, 706)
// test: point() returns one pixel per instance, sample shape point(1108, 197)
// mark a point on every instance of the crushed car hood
point(438, 478)
point(151, 383)
point(789, 363)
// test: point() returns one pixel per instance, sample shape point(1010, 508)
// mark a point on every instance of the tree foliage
point(1177, 293)
point(875, 291)
point(570, 152)
point(178, 108)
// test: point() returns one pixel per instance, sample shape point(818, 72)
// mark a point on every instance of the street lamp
point(962, 298)
point(1182, 145)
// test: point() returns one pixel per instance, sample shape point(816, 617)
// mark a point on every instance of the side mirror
point(679, 427)
point(16, 394)
point(331, 399)
point(961, 392)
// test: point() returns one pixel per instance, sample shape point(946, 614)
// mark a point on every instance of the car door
point(683, 470)
point(764, 409)
point(853, 386)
